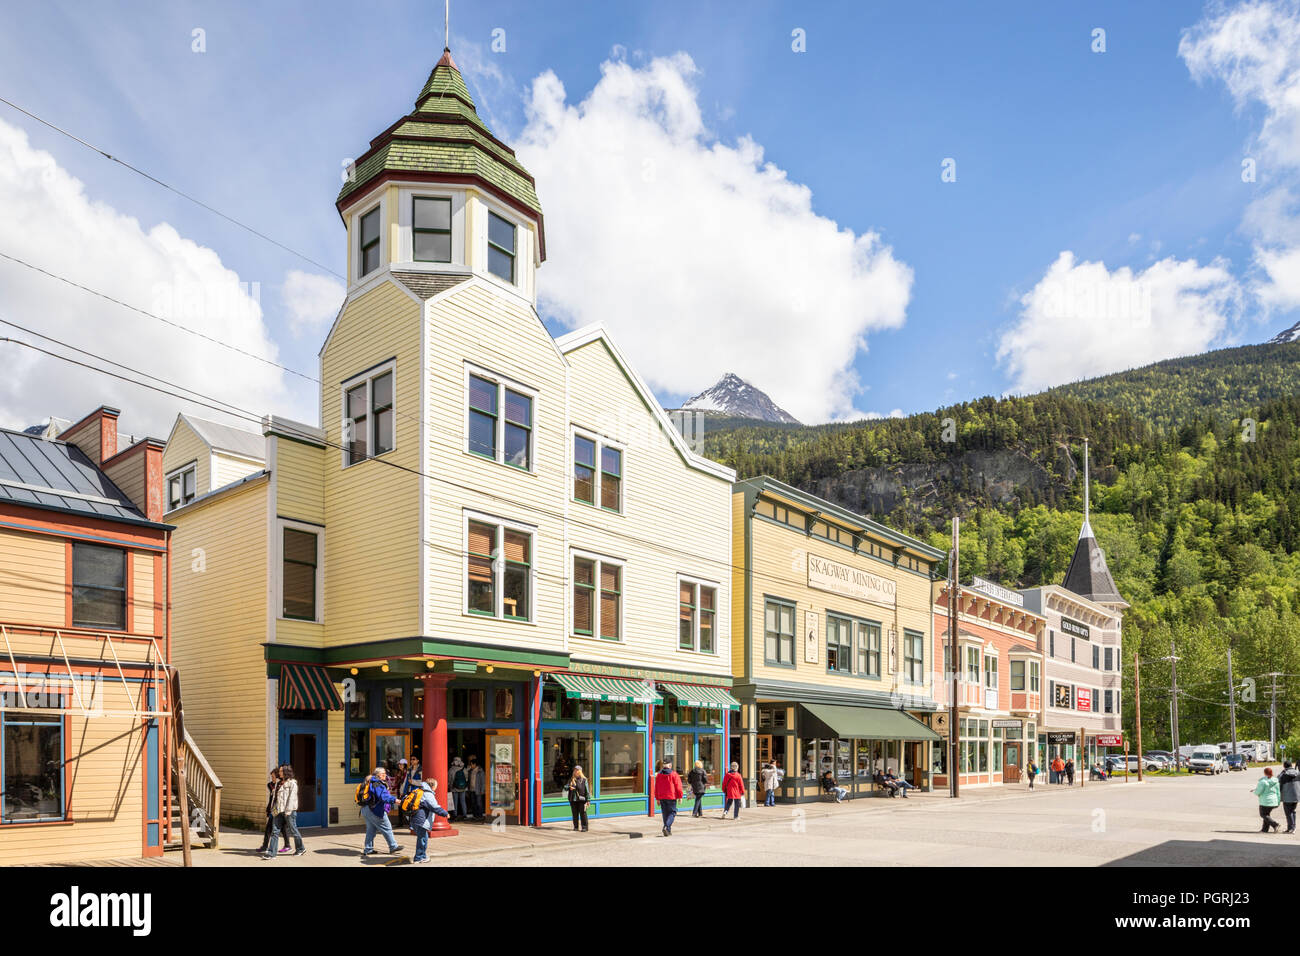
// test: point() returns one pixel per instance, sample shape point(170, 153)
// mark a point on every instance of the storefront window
point(394, 703)
point(33, 767)
point(359, 708)
point(417, 702)
point(862, 761)
point(503, 704)
point(939, 757)
point(679, 747)
point(997, 749)
point(466, 704)
point(843, 759)
point(566, 749)
point(551, 704)
point(621, 769)
point(358, 753)
point(710, 748)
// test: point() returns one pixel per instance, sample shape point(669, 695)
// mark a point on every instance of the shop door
point(503, 774)
point(390, 747)
point(1011, 764)
point(302, 747)
point(763, 755)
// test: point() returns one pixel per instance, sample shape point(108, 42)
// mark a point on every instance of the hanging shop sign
point(810, 627)
point(1110, 740)
point(827, 575)
point(1059, 736)
point(1075, 628)
point(1007, 723)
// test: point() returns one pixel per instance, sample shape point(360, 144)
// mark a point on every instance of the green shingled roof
point(446, 135)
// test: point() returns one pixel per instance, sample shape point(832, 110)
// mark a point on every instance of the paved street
point(1201, 821)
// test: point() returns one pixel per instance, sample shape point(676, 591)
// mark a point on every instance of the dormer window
point(369, 237)
point(181, 486)
point(431, 229)
point(501, 247)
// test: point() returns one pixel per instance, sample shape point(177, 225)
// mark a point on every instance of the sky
point(863, 209)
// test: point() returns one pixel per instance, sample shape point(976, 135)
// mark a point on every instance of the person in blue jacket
point(375, 814)
point(422, 819)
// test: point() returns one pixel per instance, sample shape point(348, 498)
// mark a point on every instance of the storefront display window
point(997, 749)
point(565, 749)
point(466, 704)
point(394, 703)
point(621, 764)
point(358, 753)
point(359, 706)
point(679, 747)
point(33, 767)
point(503, 704)
point(417, 701)
point(843, 759)
point(710, 748)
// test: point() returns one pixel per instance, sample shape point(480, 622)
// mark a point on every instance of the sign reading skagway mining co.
point(827, 575)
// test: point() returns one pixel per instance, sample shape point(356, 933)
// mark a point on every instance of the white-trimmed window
point(913, 657)
point(597, 472)
point(302, 570)
point(431, 228)
point(499, 419)
point(502, 243)
point(597, 597)
point(697, 616)
point(498, 569)
point(990, 671)
point(1033, 677)
point(973, 665)
point(369, 241)
point(868, 648)
point(368, 425)
point(182, 485)
point(839, 644)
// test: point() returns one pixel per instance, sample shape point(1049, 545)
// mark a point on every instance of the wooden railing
point(203, 787)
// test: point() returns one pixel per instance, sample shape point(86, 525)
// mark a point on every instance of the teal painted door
point(302, 746)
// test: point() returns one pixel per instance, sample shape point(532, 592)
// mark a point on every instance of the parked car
point(1155, 761)
point(1235, 761)
point(1207, 761)
point(1115, 763)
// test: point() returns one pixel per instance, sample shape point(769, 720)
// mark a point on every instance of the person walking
point(477, 805)
point(1032, 772)
point(1269, 797)
point(771, 777)
point(1058, 768)
point(273, 782)
point(408, 779)
point(459, 788)
point(668, 790)
point(579, 793)
point(1288, 784)
point(733, 789)
point(375, 813)
point(422, 817)
point(698, 781)
point(285, 816)
point(1069, 772)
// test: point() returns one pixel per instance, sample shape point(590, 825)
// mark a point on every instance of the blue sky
point(1119, 157)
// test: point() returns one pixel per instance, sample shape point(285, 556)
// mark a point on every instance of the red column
point(435, 745)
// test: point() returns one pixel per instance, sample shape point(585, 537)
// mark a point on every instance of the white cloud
point(50, 222)
point(311, 301)
point(1254, 50)
point(1083, 319)
point(688, 248)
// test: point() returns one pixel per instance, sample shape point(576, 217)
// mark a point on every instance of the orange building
point(999, 664)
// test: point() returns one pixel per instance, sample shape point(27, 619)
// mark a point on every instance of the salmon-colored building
point(999, 665)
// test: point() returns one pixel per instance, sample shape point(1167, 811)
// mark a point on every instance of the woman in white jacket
point(285, 815)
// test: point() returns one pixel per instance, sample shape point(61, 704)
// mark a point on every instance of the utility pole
point(1232, 700)
point(1173, 670)
point(954, 602)
point(1272, 716)
point(1137, 704)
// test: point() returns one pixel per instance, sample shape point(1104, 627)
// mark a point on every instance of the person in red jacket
point(668, 790)
point(733, 788)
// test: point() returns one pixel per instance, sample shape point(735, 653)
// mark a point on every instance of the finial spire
point(446, 24)
point(1086, 501)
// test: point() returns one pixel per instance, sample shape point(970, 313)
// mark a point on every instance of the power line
point(154, 179)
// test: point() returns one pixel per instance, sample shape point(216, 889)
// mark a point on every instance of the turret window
point(431, 229)
point(501, 247)
point(369, 236)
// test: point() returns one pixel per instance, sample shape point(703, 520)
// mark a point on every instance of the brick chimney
point(137, 471)
point(96, 434)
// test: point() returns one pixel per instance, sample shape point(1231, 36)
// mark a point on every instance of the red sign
point(1083, 698)
point(504, 773)
point(1110, 740)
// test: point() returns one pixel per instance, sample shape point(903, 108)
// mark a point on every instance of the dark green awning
point(701, 695)
point(872, 723)
point(590, 687)
point(307, 687)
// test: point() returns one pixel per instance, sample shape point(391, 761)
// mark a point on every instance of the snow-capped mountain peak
point(732, 395)
point(1290, 335)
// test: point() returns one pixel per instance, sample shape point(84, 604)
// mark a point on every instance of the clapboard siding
point(219, 595)
point(185, 446)
point(228, 468)
point(33, 582)
point(676, 520)
point(299, 481)
point(143, 604)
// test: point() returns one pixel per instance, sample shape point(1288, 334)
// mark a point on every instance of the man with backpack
point(375, 801)
point(421, 803)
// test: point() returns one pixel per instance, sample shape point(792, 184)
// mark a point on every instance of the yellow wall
point(738, 608)
point(107, 791)
point(299, 480)
point(33, 584)
point(504, 337)
point(371, 508)
point(186, 446)
point(228, 468)
point(780, 570)
point(676, 520)
point(143, 603)
point(219, 618)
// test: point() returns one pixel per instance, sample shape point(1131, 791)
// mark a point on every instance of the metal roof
point(45, 473)
point(225, 438)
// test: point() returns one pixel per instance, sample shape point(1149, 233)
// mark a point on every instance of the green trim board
point(872, 723)
point(344, 654)
point(587, 687)
point(695, 695)
point(640, 673)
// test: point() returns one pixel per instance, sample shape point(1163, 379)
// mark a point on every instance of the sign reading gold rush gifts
point(827, 575)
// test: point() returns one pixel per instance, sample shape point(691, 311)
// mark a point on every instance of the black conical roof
point(1088, 576)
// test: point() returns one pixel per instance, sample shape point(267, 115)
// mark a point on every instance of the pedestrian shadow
point(1213, 853)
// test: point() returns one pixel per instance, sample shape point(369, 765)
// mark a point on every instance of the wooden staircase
point(203, 790)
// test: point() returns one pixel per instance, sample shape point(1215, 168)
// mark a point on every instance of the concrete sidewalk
point(341, 845)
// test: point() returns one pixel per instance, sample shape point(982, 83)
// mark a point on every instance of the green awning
point(307, 687)
point(872, 723)
point(589, 687)
point(701, 695)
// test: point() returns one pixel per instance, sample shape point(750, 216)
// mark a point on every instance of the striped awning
point(590, 687)
point(307, 687)
point(701, 695)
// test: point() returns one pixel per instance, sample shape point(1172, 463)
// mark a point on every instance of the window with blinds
point(697, 617)
point(597, 598)
point(584, 597)
point(611, 601)
point(298, 581)
point(499, 571)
